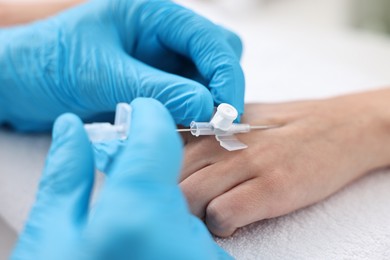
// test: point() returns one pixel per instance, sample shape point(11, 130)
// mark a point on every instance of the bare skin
point(20, 13)
point(321, 146)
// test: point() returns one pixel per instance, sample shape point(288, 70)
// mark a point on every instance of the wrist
point(380, 103)
point(369, 116)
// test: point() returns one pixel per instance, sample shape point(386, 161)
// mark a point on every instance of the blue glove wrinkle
point(197, 38)
point(22, 45)
point(234, 41)
point(174, 93)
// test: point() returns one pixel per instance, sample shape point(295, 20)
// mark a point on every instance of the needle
point(263, 127)
point(183, 130)
point(257, 127)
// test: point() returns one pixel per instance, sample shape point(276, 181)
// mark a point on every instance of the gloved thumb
point(153, 152)
point(64, 191)
point(141, 183)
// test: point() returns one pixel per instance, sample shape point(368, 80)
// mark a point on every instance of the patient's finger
point(210, 182)
point(200, 152)
point(247, 203)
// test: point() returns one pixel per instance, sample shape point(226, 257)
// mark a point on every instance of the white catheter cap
point(224, 117)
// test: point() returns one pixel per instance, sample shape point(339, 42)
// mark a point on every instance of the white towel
point(352, 224)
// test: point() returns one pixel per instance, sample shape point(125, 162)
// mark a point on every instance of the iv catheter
point(226, 138)
point(221, 126)
point(198, 129)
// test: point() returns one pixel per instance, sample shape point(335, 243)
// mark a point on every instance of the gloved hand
point(91, 57)
point(140, 213)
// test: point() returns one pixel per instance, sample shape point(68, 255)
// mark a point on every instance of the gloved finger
point(147, 163)
point(125, 78)
point(203, 42)
point(194, 233)
point(210, 182)
point(247, 203)
point(160, 57)
point(234, 41)
point(64, 190)
point(154, 150)
point(141, 183)
point(68, 177)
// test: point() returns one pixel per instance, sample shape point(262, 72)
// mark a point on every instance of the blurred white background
point(302, 48)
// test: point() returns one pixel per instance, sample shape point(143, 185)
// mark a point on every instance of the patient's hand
point(320, 147)
point(12, 14)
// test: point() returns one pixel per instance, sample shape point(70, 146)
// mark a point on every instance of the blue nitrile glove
point(91, 57)
point(140, 212)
